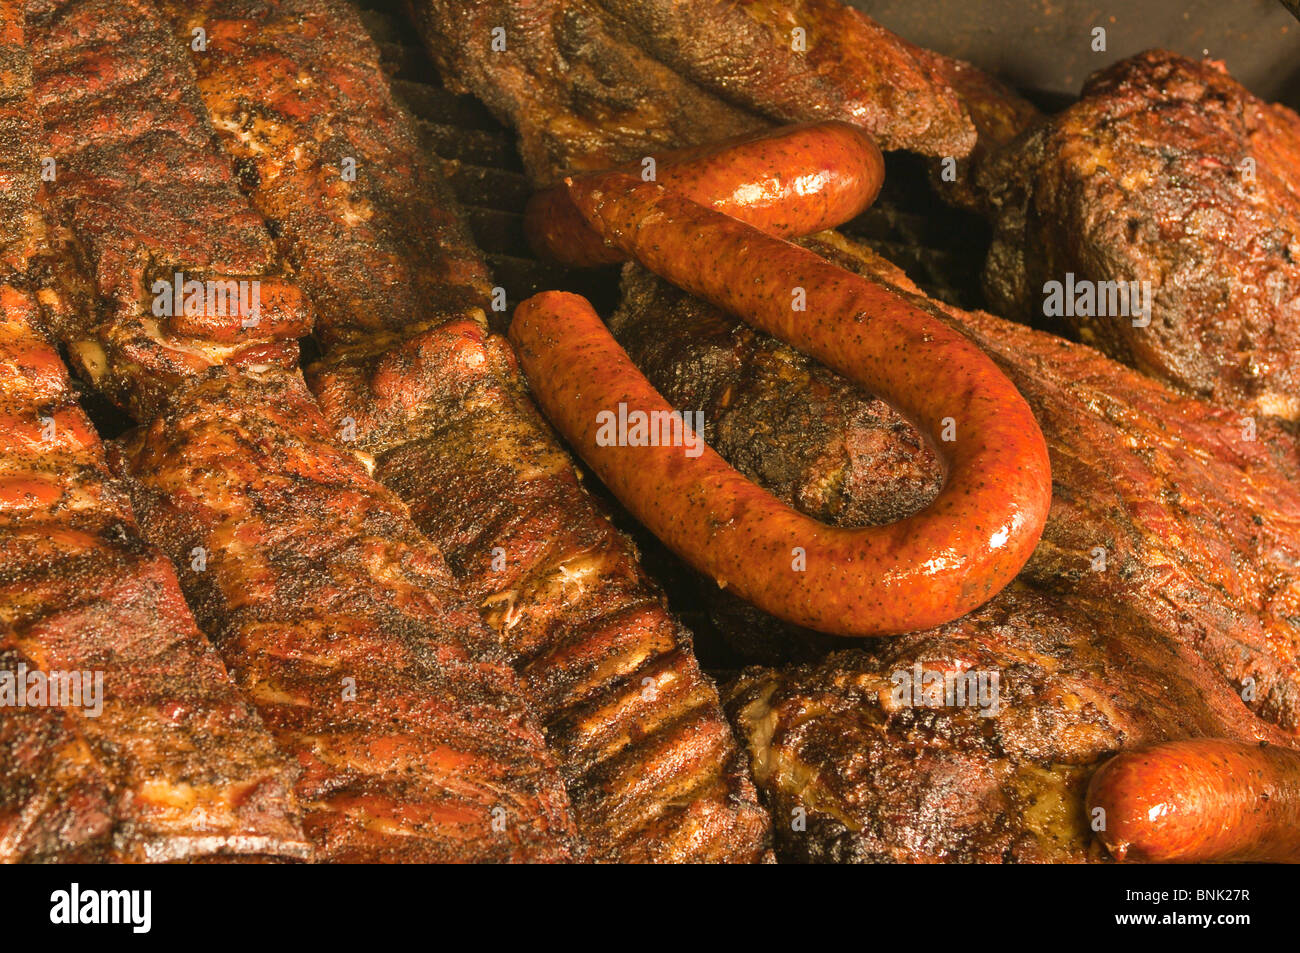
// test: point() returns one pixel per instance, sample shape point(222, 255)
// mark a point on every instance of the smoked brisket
point(1171, 174)
point(1163, 601)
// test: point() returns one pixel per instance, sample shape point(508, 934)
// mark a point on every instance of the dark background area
point(1046, 45)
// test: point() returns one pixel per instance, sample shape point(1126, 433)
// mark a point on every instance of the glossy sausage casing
point(922, 571)
point(930, 568)
point(791, 181)
point(1200, 800)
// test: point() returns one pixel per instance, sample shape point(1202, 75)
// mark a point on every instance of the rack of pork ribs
point(356, 604)
point(444, 648)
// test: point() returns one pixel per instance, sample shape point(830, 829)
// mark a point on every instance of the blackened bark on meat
point(650, 764)
point(580, 95)
point(599, 83)
point(1126, 482)
point(378, 248)
point(155, 756)
point(802, 61)
point(882, 776)
point(334, 614)
point(801, 431)
point(1162, 602)
point(1169, 172)
point(999, 114)
point(859, 462)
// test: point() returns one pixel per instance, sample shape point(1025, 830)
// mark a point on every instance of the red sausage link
point(789, 182)
point(928, 569)
point(1201, 800)
point(922, 571)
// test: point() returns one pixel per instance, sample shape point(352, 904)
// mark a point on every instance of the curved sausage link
point(791, 181)
point(930, 568)
point(922, 571)
point(1201, 800)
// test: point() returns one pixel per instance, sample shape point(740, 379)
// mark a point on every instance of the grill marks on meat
point(580, 95)
point(167, 762)
point(651, 767)
point(336, 612)
point(1166, 171)
point(1199, 594)
point(333, 613)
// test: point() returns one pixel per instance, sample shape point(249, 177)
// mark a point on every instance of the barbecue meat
point(55, 801)
point(1163, 601)
point(334, 614)
point(340, 623)
point(399, 292)
point(855, 774)
point(999, 114)
point(580, 95)
point(155, 756)
point(859, 462)
point(804, 433)
point(138, 183)
point(160, 759)
point(171, 762)
point(1197, 511)
point(843, 66)
point(595, 84)
point(1167, 171)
